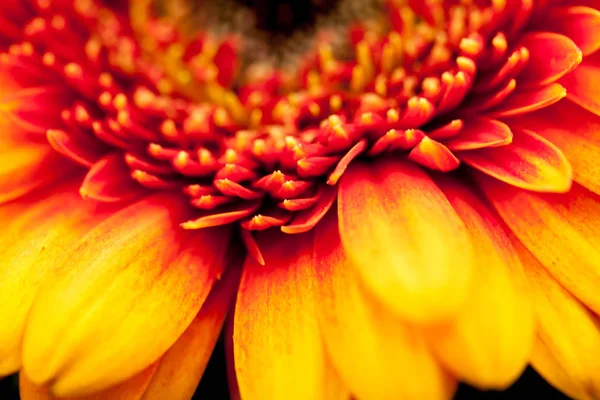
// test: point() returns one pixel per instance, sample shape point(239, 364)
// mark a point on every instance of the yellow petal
point(409, 245)
point(568, 334)
point(180, 369)
point(561, 231)
point(38, 231)
point(489, 343)
point(128, 290)
point(277, 344)
point(376, 355)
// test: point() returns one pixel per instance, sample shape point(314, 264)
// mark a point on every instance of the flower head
point(412, 186)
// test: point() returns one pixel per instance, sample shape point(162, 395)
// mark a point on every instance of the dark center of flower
point(203, 97)
point(287, 16)
point(272, 33)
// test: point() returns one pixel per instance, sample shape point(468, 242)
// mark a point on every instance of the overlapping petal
point(28, 166)
point(107, 302)
point(407, 243)
point(561, 231)
point(276, 339)
point(567, 334)
point(576, 132)
point(129, 289)
point(38, 233)
point(582, 84)
point(529, 162)
point(382, 358)
point(182, 366)
point(487, 352)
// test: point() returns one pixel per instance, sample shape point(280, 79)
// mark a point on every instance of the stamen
point(254, 130)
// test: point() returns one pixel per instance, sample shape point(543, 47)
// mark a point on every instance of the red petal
point(526, 101)
point(529, 162)
point(552, 56)
point(223, 216)
point(307, 219)
point(339, 170)
point(85, 154)
point(576, 132)
point(109, 180)
point(583, 85)
point(581, 24)
point(481, 132)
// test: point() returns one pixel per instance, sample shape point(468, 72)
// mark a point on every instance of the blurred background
point(214, 385)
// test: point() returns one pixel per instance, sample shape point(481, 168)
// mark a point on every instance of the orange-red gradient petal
point(38, 232)
point(131, 389)
point(410, 247)
point(529, 162)
point(27, 166)
point(583, 86)
point(489, 342)
point(567, 334)
point(576, 132)
point(375, 353)
point(181, 367)
point(561, 231)
point(128, 290)
point(277, 345)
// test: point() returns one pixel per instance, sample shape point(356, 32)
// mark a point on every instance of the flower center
point(205, 98)
point(269, 34)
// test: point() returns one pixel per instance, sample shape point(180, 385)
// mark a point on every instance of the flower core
point(149, 100)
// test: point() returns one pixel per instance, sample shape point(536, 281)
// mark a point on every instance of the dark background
point(214, 385)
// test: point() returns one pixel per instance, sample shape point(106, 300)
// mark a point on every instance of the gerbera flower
point(413, 187)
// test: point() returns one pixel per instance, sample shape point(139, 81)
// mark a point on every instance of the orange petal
point(581, 24)
point(277, 344)
point(135, 273)
point(480, 132)
point(375, 353)
point(583, 86)
point(109, 180)
point(38, 232)
point(526, 101)
point(28, 166)
point(552, 56)
point(529, 162)
point(131, 389)
point(487, 352)
point(434, 155)
point(576, 132)
point(561, 231)
point(182, 366)
point(568, 334)
point(408, 244)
